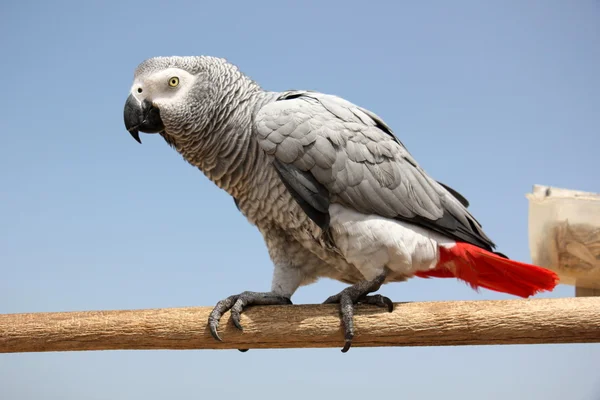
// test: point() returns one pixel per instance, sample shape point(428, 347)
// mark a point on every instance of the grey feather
point(312, 196)
point(456, 195)
point(362, 164)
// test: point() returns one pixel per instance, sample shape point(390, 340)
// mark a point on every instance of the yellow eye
point(174, 81)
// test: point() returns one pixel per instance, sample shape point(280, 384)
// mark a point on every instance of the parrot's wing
point(456, 195)
point(327, 149)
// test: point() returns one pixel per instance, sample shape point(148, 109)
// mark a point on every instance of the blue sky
point(490, 97)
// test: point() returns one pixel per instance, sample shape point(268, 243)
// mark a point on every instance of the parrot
point(330, 187)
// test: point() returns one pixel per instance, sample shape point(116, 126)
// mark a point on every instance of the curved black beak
point(141, 117)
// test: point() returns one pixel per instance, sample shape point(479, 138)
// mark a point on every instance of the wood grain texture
point(534, 321)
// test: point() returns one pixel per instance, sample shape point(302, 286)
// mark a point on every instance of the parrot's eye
point(174, 81)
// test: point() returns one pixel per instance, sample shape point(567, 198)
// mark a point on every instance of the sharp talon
point(213, 332)
point(243, 350)
point(216, 314)
point(347, 346)
point(389, 303)
point(379, 301)
point(236, 322)
point(236, 310)
point(213, 324)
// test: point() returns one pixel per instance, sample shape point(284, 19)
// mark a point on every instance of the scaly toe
point(333, 299)
point(236, 310)
point(216, 314)
point(237, 303)
point(358, 293)
point(378, 300)
point(347, 311)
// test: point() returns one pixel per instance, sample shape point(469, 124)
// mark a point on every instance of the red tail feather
point(481, 268)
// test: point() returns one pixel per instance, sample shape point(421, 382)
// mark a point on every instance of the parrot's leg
point(236, 304)
point(359, 293)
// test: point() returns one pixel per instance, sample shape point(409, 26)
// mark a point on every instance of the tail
point(481, 268)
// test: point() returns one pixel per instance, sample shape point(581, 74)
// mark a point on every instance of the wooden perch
point(569, 320)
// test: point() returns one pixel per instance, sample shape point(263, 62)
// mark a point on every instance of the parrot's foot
point(358, 293)
point(236, 304)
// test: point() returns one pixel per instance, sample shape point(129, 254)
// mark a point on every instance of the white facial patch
point(156, 87)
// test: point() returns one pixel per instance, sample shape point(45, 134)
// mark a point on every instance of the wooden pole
point(568, 320)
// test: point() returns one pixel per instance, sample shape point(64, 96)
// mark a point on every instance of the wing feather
point(353, 155)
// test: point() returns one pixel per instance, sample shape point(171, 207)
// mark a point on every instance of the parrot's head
point(177, 95)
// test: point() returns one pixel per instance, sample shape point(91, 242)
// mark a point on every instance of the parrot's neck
point(229, 154)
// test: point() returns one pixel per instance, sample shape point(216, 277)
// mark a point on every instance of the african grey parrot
point(327, 183)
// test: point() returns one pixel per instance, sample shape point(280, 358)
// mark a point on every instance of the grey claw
point(236, 311)
point(213, 330)
point(236, 304)
point(379, 301)
point(347, 345)
point(389, 303)
point(216, 314)
point(358, 293)
point(236, 321)
point(347, 311)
